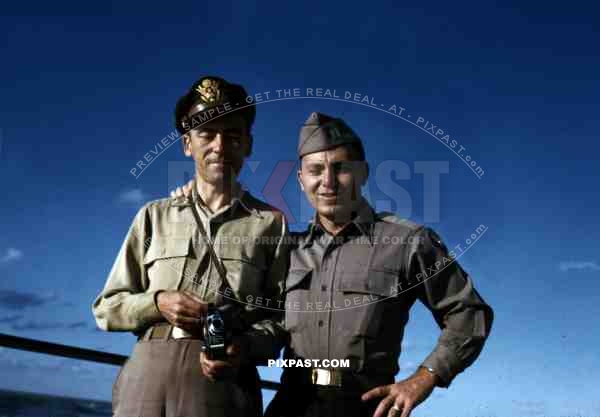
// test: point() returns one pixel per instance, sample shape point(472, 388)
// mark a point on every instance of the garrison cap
point(211, 93)
point(321, 132)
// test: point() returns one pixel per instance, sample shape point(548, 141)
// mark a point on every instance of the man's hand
point(184, 191)
point(402, 397)
point(182, 309)
point(216, 369)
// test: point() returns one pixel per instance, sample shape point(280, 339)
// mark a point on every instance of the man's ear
point(185, 143)
point(299, 177)
point(365, 175)
point(249, 146)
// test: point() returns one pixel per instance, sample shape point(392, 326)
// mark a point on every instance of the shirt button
point(320, 323)
point(323, 287)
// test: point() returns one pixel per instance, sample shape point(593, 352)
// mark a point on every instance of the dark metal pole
point(38, 346)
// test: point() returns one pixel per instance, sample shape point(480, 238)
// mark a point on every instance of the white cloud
point(11, 254)
point(530, 407)
point(135, 197)
point(579, 266)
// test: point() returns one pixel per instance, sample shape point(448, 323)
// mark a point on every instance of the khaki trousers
point(162, 378)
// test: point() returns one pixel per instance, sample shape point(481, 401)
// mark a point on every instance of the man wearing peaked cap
point(209, 98)
point(176, 261)
point(365, 284)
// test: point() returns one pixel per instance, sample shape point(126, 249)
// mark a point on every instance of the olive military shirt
point(349, 296)
point(164, 250)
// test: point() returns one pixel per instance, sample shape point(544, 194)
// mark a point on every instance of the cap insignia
point(209, 90)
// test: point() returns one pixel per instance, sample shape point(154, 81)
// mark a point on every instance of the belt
point(346, 379)
point(330, 377)
point(166, 331)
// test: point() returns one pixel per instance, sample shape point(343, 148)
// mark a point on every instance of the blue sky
point(88, 90)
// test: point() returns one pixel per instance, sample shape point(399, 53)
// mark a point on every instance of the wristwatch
point(432, 371)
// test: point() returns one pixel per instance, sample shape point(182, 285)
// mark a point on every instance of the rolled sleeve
point(461, 313)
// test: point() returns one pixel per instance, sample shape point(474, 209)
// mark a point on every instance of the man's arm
point(448, 292)
point(463, 316)
point(123, 304)
point(267, 336)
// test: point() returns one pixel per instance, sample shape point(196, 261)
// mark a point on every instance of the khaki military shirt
point(349, 296)
point(164, 250)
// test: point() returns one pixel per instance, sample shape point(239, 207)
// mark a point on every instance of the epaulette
point(392, 218)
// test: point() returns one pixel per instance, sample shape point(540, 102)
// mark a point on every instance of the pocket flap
point(166, 247)
point(245, 260)
point(381, 283)
point(298, 277)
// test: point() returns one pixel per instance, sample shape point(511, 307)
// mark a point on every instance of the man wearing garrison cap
point(178, 257)
point(354, 288)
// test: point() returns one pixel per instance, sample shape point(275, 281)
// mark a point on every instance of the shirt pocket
point(378, 282)
point(365, 298)
point(165, 261)
point(244, 276)
point(297, 294)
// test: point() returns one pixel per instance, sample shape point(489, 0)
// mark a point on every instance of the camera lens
point(217, 324)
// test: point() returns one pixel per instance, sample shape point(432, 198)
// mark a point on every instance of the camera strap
point(211, 250)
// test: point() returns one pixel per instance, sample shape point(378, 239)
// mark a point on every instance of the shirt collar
point(314, 229)
point(364, 222)
point(240, 198)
